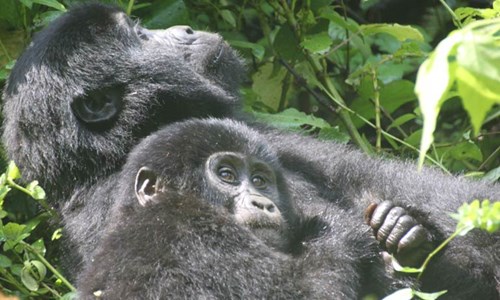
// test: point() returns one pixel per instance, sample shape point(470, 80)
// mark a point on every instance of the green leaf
point(51, 3)
point(400, 32)
point(12, 231)
point(3, 179)
point(434, 79)
point(267, 85)
point(27, 3)
point(400, 268)
point(484, 215)
point(12, 171)
point(228, 16)
point(70, 296)
point(401, 120)
point(333, 133)
point(258, 51)
point(5, 262)
point(163, 14)
point(429, 296)
point(57, 234)
point(317, 43)
point(40, 270)
point(286, 45)
point(478, 72)
point(29, 282)
point(13, 234)
point(468, 57)
point(329, 14)
point(291, 119)
point(493, 175)
point(4, 190)
point(39, 246)
point(465, 151)
point(403, 294)
point(45, 18)
point(38, 193)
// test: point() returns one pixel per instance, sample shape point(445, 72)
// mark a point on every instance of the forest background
point(366, 73)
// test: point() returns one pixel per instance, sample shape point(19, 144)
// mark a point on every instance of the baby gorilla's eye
point(227, 175)
point(259, 182)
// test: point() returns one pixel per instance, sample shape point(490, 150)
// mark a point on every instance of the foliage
point(326, 68)
point(24, 270)
point(465, 63)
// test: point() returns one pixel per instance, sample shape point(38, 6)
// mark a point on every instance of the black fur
point(94, 54)
point(187, 244)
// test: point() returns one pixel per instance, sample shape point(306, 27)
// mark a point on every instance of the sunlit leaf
point(400, 32)
point(51, 3)
point(12, 171)
point(403, 294)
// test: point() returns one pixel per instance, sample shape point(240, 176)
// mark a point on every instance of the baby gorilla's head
point(223, 163)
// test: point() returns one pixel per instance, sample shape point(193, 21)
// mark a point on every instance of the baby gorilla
point(215, 221)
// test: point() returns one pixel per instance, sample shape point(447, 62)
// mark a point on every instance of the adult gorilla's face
point(93, 82)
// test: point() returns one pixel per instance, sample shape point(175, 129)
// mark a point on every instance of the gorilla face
point(248, 184)
point(94, 82)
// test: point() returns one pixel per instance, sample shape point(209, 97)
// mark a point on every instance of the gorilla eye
point(227, 175)
point(259, 182)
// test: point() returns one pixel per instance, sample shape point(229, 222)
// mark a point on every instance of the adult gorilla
point(93, 83)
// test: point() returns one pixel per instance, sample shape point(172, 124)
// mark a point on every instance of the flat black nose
point(264, 204)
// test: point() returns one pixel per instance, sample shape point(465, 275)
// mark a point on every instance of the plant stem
point(452, 13)
point(5, 51)
point(42, 202)
point(327, 84)
point(50, 267)
point(439, 248)
point(129, 7)
point(376, 98)
point(14, 282)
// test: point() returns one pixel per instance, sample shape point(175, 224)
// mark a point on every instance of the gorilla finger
point(403, 225)
point(379, 214)
point(389, 223)
point(369, 212)
point(416, 237)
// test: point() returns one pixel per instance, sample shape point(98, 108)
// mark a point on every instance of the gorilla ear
point(99, 108)
point(145, 186)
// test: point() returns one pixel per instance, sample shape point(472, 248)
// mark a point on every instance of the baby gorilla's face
point(246, 186)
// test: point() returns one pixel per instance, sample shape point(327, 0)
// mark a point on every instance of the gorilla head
point(182, 216)
point(94, 82)
point(222, 161)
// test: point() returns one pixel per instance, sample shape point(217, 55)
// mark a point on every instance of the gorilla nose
point(182, 32)
point(264, 204)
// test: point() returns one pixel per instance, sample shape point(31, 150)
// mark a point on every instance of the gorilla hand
point(399, 233)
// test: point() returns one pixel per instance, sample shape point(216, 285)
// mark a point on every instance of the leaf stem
point(130, 6)
point(50, 267)
point(42, 202)
point(325, 81)
point(452, 13)
point(439, 248)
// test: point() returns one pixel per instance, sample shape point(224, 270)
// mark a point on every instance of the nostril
point(189, 30)
point(258, 205)
point(270, 208)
